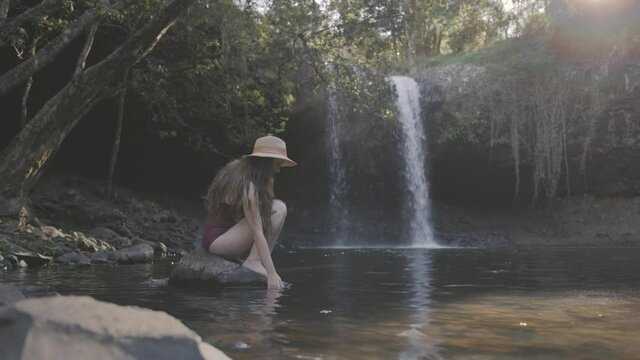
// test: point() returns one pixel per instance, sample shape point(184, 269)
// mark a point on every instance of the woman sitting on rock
point(244, 219)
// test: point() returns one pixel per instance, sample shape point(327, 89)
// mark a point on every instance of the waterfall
point(414, 153)
point(338, 181)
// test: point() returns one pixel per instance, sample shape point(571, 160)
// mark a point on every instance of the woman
point(244, 219)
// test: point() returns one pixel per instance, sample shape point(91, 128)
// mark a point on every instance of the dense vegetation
point(230, 69)
point(545, 92)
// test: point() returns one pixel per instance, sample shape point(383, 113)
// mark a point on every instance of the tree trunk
point(20, 73)
point(86, 49)
point(414, 31)
point(117, 137)
point(243, 81)
point(42, 8)
point(438, 41)
point(4, 10)
point(23, 159)
point(24, 113)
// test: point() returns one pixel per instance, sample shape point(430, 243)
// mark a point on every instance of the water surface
point(551, 303)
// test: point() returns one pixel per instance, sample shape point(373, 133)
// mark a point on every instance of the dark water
point(537, 303)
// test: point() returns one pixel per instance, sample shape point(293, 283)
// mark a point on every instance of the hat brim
point(286, 163)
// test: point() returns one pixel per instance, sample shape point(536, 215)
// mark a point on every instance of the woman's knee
point(279, 209)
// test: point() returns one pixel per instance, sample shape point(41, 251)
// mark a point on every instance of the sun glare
point(606, 6)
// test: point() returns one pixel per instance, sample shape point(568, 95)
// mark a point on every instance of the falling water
point(414, 152)
point(337, 182)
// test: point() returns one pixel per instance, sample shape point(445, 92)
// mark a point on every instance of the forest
point(467, 180)
point(228, 71)
point(537, 97)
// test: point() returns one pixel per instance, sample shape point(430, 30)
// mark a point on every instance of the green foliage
point(462, 129)
point(210, 75)
point(232, 70)
point(541, 103)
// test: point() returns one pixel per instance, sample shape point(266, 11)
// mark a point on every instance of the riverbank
point(581, 221)
point(72, 223)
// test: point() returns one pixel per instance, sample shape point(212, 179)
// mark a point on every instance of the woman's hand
point(274, 281)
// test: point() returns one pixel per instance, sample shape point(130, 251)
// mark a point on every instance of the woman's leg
point(234, 242)
point(278, 215)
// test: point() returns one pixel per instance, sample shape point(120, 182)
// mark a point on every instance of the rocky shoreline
point(581, 221)
point(72, 223)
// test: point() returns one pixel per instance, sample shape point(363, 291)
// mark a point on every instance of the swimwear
point(211, 233)
point(215, 226)
point(218, 225)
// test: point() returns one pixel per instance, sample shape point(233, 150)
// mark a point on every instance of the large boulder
point(10, 294)
point(74, 258)
point(80, 327)
point(200, 267)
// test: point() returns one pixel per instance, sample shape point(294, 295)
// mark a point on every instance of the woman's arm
point(252, 215)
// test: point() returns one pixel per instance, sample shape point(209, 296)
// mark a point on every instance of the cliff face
point(471, 165)
point(373, 182)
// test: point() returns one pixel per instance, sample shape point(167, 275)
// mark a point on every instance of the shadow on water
point(397, 303)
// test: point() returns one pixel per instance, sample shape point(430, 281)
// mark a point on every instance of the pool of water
point(550, 303)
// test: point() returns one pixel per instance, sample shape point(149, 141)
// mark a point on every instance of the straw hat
point(272, 147)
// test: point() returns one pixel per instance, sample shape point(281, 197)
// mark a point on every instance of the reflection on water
point(419, 345)
point(573, 326)
point(403, 303)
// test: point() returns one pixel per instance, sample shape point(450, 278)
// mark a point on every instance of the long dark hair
point(231, 184)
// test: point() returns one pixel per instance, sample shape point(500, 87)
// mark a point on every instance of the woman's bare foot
point(255, 266)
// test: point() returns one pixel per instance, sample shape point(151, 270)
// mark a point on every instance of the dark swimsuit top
point(217, 225)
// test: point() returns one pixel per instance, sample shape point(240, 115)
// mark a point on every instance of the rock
point(9, 294)
point(141, 253)
point(51, 232)
point(203, 268)
point(103, 233)
point(106, 214)
point(100, 257)
point(43, 246)
point(12, 206)
point(120, 228)
point(6, 265)
point(121, 242)
point(70, 327)
point(39, 233)
point(85, 242)
point(73, 258)
point(158, 247)
point(30, 258)
point(162, 248)
point(12, 259)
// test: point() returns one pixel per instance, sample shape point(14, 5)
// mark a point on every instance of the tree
point(22, 161)
point(43, 57)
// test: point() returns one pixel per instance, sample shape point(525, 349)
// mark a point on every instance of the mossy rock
point(201, 268)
